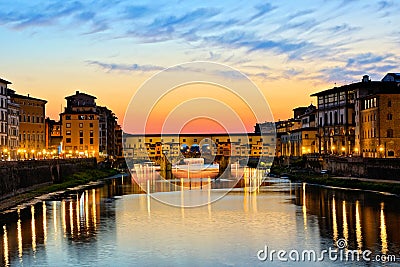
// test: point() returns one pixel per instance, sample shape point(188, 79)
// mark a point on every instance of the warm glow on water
point(96, 228)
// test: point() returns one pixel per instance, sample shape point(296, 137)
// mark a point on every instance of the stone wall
point(18, 176)
point(374, 168)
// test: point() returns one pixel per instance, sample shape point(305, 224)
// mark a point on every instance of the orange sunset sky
point(108, 49)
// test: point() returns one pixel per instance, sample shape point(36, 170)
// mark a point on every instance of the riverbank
point(388, 186)
point(76, 179)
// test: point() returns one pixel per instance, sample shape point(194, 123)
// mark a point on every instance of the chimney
point(365, 79)
point(77, 92)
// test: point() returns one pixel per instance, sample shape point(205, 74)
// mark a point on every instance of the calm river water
point(116, 225)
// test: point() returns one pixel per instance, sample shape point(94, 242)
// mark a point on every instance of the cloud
point(137, 11)
point(365, 59)
point(193, 16)
point(110, 67)
point(262, 10)
point(46, 16)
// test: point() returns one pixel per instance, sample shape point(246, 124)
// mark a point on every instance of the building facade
point(336, 120)
point(107, 134)
point(32, 128)
point(379, 121)
point(175, 147)
point(53, 139)
point(3, 115)
point(13, 110)
point(80, 126)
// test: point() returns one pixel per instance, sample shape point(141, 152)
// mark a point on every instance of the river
point(116, 224)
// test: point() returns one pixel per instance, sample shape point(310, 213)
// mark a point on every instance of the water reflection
point(383, 230)
point(97, 224)
point(358, 226)
point(362, 219)
point(5, 246)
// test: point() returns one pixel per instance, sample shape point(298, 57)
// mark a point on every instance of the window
point(389, 133)
point(306, 136)
point(68, 132)
point(68, 125)
point(80, 125)
point(81, 117)
point(195, 140)
point(91, 141)
point(389, 116)
point(184, 140)
point(68, 117)
point(91, 133)
point(389, 103)
point(81, 141)
point(391, 153)
point(91, 125)
point(68, 140)
point(151, 140)
point(29, 119)
point(80, 133)
point(217, 140)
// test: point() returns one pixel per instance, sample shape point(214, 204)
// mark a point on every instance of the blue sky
point(289, 48)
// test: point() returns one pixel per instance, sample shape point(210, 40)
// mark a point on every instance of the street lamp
point(343, 150)
point(381, 150)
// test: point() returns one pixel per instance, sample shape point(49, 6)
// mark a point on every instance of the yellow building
point(379, 123)
point(31, 124)
point(239, 145)
point(80, 126)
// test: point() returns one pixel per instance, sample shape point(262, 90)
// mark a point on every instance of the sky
point(108, 48)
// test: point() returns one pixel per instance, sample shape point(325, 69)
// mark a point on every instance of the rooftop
point(28, 97)
point(77, 93)
point(4, 81)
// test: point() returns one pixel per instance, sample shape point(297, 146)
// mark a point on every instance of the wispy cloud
point(319, 33)
point(110, 67)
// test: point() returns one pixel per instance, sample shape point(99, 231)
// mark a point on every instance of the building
point(32, 128)
point(53, 138)
point(379, 120)
point(13, 111)
point(80, 126)
point(118, 138)
point(175, 147)
point(336, 120)
point(360, 119)
point(3, 115)
point(297, 135)
point(107, 134)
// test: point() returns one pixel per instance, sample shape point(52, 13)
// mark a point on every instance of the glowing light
point(33, 229)
point(383, 230)
point(334, 220)
point(358, 226)
point(19, 233)
point(5, 246)
point(44, 223)
point(345, 226)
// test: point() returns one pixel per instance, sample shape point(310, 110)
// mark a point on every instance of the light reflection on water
point(96, 227)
